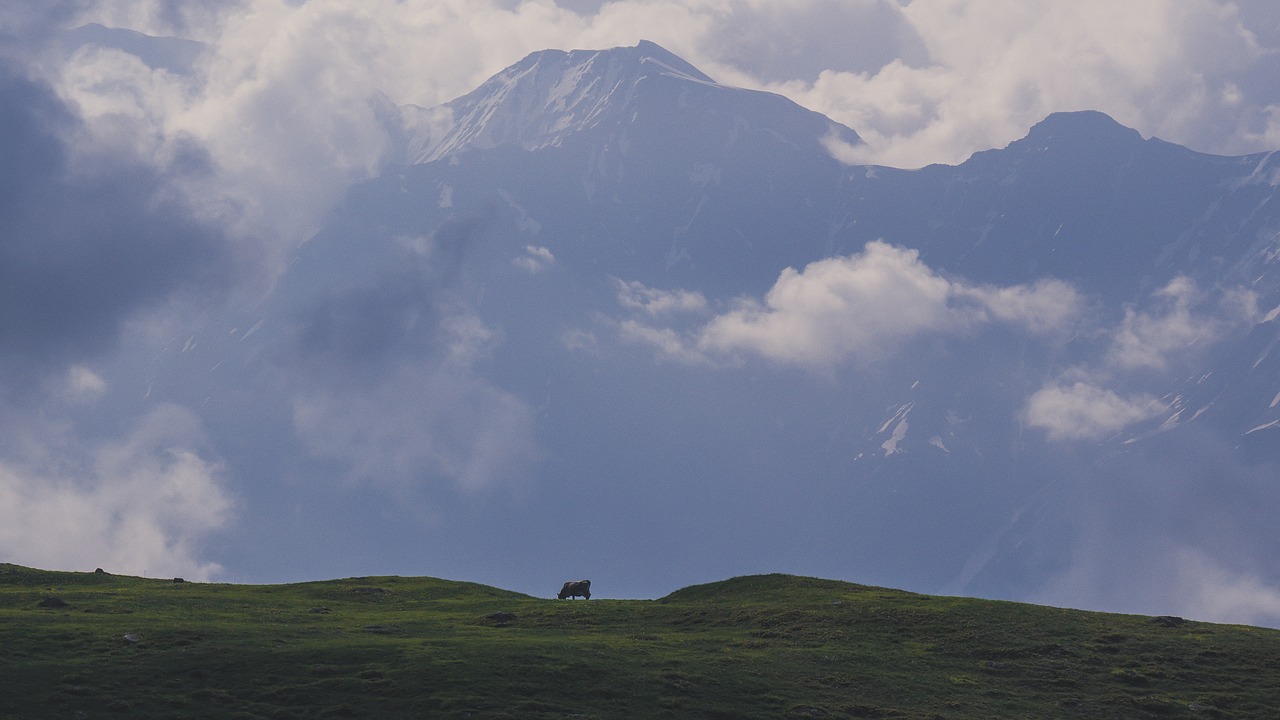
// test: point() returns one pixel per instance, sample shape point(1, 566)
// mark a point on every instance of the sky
point(140, 192)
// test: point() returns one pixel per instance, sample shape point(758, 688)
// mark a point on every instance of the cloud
point(535, 259)
point(84, 384)
point(666, 342)
point(88, 239)
point(1181, 321)
point(1200, 73)
point(1045, 307)
point(420, 425)
point(384, 377)
point(26, 24)
point(1084, 412)
point(1209, 590)
point(778, 41)
point(359, 331)
point(1145, 571)
point(1178, 525)
point(636, 296)
point(293, 102)
point(95, 240)
point(858, 308)
point(423, 421)
point(139, 504)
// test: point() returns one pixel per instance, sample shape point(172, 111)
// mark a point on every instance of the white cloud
point(860, 308)
point(1085, 412)
point(287, 102)
point(419, 425)
point(83, 384)
point(666, 342)
point(1046, 307)
point(780, 40)
point(635, 295)
point(139, 505)
point(1182, 320)
point(535, 259)
point(1179, 322)
point(1171, 68)
point(1207, 590)
point(1130, 564)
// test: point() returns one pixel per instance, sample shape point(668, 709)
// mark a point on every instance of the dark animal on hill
point(576, 588)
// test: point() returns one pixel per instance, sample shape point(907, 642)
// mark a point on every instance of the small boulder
point(53, 602)
point(132, 638)
point(1169, 621)
point(178, 580)
point(501, 618)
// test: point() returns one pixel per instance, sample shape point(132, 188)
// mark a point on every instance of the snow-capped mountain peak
point(552, 95)
point(540, 99)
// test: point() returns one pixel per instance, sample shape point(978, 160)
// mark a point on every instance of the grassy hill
point(769, 646)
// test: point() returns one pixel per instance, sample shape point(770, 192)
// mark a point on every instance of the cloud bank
point(89, 239)
point(418, 423)
point(1200, 73)
point(141, 504)
point(868, 307)
point(859, 308)
point(386, 376)
point(1178, 324)
point(1086, 412)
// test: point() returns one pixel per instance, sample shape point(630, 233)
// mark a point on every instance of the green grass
point(769, 646)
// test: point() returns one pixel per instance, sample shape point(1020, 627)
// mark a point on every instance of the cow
point(576, 588)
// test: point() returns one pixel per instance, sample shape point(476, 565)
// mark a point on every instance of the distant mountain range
point(686, 337)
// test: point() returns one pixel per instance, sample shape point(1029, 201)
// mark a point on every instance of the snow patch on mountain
point(1266, 426)
point(890, 446)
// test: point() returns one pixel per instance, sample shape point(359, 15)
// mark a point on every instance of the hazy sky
point(240, 139)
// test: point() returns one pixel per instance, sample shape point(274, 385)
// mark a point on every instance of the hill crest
point(766, 646)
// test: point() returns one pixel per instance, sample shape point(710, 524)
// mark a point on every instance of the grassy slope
point(767, 646)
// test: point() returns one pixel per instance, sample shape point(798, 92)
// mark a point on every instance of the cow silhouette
point(576, 588)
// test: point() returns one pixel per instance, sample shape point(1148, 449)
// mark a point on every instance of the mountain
point(603, 97)
point(1080, 192)
point(633, 132)
point(609, 315)
point(750, 647)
